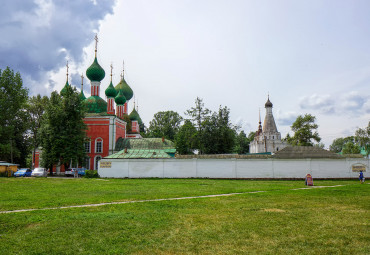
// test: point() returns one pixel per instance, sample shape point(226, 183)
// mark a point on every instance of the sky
point(308, 56)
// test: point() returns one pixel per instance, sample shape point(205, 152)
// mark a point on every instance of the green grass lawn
point(279, 221)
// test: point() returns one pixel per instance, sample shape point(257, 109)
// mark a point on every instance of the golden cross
point(67, 69)
point(96, 43)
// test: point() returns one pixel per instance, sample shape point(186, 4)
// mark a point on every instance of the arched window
point(98, 145)
point(97, 159)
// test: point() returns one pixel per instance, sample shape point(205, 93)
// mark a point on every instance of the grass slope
point(280, 221)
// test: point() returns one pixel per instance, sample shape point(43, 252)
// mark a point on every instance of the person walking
point(361, 177)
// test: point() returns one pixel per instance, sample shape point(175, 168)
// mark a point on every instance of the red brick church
point(106, 120)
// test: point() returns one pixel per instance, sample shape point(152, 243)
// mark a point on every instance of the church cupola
point(95, 73)
point(268, 103)
point(64, 89)
point(111, 93)
point(126, 89)
point(82, 95)
point(120, 101)
point(135, 120)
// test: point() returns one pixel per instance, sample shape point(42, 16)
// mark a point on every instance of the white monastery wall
point(230, 168)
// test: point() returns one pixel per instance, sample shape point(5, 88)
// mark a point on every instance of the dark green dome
point(120, 98)
point(95, 104)
point(95, 72)
point(134, 115)
point(64, 89)
point(111, 91)
point(82, 96)
point(127, 91)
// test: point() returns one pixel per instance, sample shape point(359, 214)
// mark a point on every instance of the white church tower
point(267, 139)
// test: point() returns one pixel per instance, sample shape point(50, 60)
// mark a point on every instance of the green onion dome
point(111, 91)
point(64, 89)
point(134, 115)
point(95, 72)
point(127, 91)
point(120, 98)
point(95, 104)
point(82, 96)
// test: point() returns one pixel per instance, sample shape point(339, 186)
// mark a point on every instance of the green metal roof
point(95, 104)
point(140, 154)
point(144, 143)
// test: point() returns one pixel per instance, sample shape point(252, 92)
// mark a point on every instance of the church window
point(99, 145)
point(273, 137)
point(87, 147)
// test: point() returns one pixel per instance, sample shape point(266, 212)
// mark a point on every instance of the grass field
point(282, 220)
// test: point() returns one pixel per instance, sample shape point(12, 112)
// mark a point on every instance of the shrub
point(91, 174)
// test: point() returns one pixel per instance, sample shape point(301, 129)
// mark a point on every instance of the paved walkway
point(153, 200)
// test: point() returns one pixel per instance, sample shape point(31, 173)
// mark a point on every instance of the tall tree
point(338, 143)
point(218, 134)
point(305, 131)
point(63, 132)
point(242, 142)
point(199, 115)
point(14, 142)
point(165, 124)
point(351, 148)
point(362, 137)
point(185, 139)
point(36, 108)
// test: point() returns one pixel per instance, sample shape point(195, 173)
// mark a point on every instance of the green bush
point(91, 174)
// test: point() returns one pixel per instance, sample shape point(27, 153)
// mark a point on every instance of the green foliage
point(242, 143)
point(63, 131)
point(14, 118)
point(351, 148)
point(198, 113)
point(218, 134)
point(304, 129)
point(165, 124)
point(339, 143)
point(186, 138)
point(362, 137)
point(36, 108)
point(91, 174)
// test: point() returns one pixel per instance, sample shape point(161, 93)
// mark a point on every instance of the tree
point(339, 143)
point(63, 132)
point(185, 139)
point(199, 116)
point(241, 143)
point(14, 141)
point(304, 128)
point(165, 124)
point(218, 134)
point(36, 108)
point(362, 137)
point(351, 148)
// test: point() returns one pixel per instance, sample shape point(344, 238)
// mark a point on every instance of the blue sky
point(309, 56)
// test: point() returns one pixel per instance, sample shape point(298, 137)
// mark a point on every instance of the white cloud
point(322, 103)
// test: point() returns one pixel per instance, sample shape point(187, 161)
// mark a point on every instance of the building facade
point(106, 120)
point(267, 138)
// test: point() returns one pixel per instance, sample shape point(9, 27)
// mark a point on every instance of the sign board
point(309, 180)
point(358, 167)
point(105, 164)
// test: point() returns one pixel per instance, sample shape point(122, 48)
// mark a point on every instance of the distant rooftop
point(143, 154)
point(144, 143)
point(295, 152)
